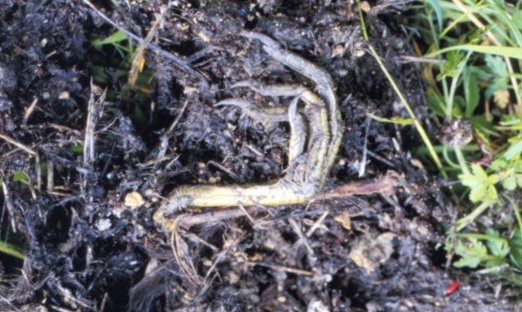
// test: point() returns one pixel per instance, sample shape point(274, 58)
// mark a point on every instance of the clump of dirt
point(84, 140)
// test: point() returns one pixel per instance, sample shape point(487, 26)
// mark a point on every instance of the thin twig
point(30, 151)
point(249, 217)
point(178, 118)
point(362, 168)
point(138, 55)
point(178, 61)
point(25, 148)
point(381, 159)
point(38, 169)
point(50, 176)
point(29, 110)
point(9, 204)
point(164, 140)
point(94, 112)
point(302, 238)
point(282, 268)
point(65, 129)
point(181, 254)
point(215, 216)
point(225, 170)
point(317, 224)
point(10, 303)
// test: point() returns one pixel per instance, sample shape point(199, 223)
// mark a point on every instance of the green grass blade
point(435, 4)
point(11, 250)
point(416, 122)
point(115, 38)
point(469, 218)
point(397, 121)
point(513, 52)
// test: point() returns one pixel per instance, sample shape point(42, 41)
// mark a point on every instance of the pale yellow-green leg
point(307, 171)
point(284, 191)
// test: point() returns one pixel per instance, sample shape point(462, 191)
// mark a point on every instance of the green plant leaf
point(77, 148)
point(114, 39)
point(498, 74)
point(20, 176)
point(435, 102)
point(397, 121)
point(512, 52)
point(515, 149)
point(471, 92)
point(498, 84)
point(452, 64)
point(472, 253)
point(498, 247)
point(514, 123)
point(518, 165)
point(11, 250)
point(515, 244)
point(481, 125)
point(498, 164)
point(435, 4)
point(517, 19)
point(496, 65)
point(481, 185)
point(458, 106)
point(493, 261)
point(509, 183)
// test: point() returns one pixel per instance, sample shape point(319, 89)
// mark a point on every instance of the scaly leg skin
point(323, 80)
point(310, 157)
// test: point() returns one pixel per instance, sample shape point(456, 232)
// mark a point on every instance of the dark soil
point(87, 251)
